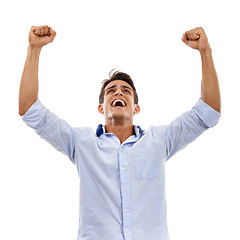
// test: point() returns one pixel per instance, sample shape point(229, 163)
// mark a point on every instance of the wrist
point(34, 50)
point(206, 52)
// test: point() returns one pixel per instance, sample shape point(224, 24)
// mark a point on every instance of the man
point(121, 167)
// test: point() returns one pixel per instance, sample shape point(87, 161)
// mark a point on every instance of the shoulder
point(84, 133)
point(157, 133)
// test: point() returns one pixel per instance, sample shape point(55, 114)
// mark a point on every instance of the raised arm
point(28, 93)
point(210, 92)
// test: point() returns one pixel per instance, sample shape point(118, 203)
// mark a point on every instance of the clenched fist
point(40, 36)
point(196, 39)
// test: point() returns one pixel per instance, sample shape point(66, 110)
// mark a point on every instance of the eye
point(126, 91)
point(110, 91)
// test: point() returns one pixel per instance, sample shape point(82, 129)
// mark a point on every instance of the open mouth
point(118, 103)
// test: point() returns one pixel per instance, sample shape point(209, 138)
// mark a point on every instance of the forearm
point(28, 92)
point(210, 92)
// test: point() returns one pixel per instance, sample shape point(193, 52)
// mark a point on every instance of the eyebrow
point(123, 86)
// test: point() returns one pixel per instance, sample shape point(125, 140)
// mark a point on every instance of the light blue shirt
point(122, 186)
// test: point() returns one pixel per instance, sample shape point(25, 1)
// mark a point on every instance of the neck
point(121, 131)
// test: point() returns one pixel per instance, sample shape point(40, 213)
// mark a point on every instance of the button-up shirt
point(122, 186)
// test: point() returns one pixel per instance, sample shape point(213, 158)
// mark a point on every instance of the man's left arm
point(206, 112)
point(210, 92)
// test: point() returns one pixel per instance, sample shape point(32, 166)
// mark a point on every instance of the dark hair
point(117, 75)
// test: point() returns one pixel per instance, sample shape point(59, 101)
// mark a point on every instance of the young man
point(121, 167)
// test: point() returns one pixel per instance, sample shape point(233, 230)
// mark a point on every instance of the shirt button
point(125, 210)
point(123, 168)
point(125, 188)
point(126, 230)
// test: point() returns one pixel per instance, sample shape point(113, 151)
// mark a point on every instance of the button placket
point(124, 184)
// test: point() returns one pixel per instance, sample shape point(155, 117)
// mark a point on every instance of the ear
point(137, 109)
point(100, 109)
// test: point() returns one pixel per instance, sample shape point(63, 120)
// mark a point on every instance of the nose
point(118, 92)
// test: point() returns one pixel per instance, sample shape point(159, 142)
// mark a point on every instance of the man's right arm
point(28, 93)
point(47, 125)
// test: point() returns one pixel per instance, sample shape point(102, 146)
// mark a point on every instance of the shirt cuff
point(34, 114)
point(206, 113)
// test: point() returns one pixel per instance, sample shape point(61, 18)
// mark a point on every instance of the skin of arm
point(210, 91)
point(28, 92)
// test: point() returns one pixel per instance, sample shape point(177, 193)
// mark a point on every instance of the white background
point(39, 186)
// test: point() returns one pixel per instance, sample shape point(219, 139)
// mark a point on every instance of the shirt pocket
point(147, 164)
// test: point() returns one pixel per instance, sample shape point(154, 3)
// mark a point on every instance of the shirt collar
point(101, 130)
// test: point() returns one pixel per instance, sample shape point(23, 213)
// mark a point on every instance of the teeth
point(118, 100)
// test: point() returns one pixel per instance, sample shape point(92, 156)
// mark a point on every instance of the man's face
point(118, 102)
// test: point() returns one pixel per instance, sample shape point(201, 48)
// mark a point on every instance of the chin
point(118, 116)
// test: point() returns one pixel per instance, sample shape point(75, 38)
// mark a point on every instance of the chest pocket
point(147, 164)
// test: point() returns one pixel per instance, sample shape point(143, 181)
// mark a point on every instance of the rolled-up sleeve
point(51, 128)
point(207, 114)
point(189, 126)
